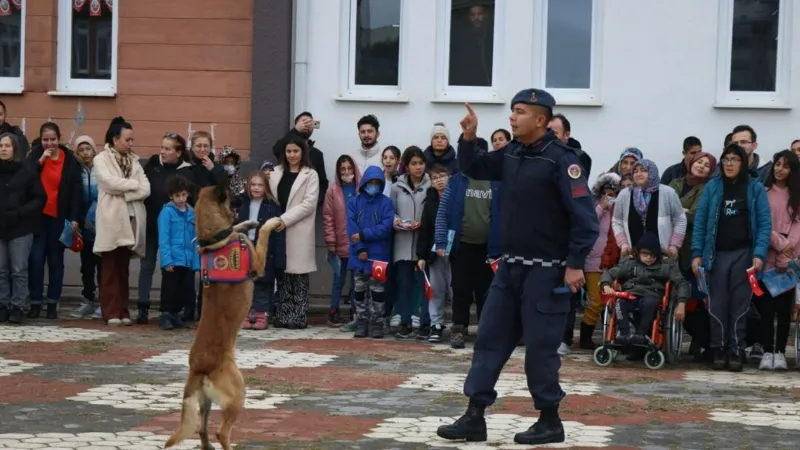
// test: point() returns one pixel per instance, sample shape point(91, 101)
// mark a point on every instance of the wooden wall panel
point(189, 9)
point(186, 32)
point(185, 83)
point(186, 57)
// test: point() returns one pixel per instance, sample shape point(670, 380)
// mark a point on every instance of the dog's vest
point(232, 263)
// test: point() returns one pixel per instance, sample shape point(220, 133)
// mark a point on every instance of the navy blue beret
point(534, 97)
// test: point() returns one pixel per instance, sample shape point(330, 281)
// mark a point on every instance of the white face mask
point(230, 170)
point(348, 178)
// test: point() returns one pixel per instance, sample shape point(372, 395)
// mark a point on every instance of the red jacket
point(334, 218)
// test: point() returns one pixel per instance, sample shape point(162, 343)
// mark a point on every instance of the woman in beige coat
point(296, 184)
point(122, 188)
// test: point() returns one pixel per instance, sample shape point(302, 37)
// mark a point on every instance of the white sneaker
point(98, 314)
point(127, 322)
point(780, 362)
point(114, 322)
point(563, 349)
point(414, 322)
point(768, 362)
point(395, 322)
point(83, 312)
point(756, 351)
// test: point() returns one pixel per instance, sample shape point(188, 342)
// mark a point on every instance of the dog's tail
point(262, 246)
point(190, 413)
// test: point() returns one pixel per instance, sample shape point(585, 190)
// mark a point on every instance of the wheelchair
point(666, 336)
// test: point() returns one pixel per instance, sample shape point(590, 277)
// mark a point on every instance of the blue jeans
point(14, 255)
point(408, 280)
point(147, 268)
point(263, 291)
point(338, 285)
point(47, 249)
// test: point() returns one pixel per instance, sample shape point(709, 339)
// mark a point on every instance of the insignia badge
point(574, 171)
point(220, 263)
point(533, 97)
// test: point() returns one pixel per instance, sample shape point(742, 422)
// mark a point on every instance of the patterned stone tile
point(250, 359)
point(747, 378)
point(75, 352)
point(126, 440)
point(27, 333)
point(9, 366)
point(502, 428)
point(509, 385)
point(16, 389)
point(163, 397)
point(777, 415)
point(312, 332)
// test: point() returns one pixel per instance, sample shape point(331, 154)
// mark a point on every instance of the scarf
point(630, 151)
point(124, 161)
point(694, 180)
point(641, 194)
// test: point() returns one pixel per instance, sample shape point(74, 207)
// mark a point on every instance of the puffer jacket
point(176, 238)
point(21, 201)
point(157, 173)
point(427, 230)
point(641, 280)
point(408, 205)
point(448, 159)
point(334, 217)
point(371, 217)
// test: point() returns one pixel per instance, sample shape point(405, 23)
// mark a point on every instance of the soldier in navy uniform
point(547, 227)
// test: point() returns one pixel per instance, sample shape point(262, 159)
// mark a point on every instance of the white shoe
point(127, 322)
point(767, 362)
point(563, 349)
point(779, 362)
point(395, 322)
point(83, 312)
point(97, 314)
point(114, 322)
point(414, 322)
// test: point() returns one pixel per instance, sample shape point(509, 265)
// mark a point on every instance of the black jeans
point(779, 307)
point(174, 294)
point(471, 278)
point(569, 330)
point(90, 271)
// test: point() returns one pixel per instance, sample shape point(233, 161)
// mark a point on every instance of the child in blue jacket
point(177, 252)
point(260, 205)
point(370, 216)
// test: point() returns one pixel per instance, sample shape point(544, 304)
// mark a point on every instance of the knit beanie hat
point(440, 128)
point(85, 140)
point(649, 242)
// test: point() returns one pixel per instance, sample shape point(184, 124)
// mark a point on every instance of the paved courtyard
point(77, 384)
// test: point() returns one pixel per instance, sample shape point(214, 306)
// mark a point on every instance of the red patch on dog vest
point(230, 264)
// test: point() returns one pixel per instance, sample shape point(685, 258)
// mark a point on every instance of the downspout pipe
point(301, 41)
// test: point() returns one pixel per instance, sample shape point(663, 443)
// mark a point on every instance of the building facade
point(625, 72)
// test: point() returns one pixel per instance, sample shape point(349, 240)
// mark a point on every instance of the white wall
point(658, 83)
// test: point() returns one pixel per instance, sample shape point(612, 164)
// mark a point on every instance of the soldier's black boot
point(470, 427)
point(547, 430)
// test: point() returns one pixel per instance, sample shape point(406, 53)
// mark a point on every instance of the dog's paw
point(246, 225)
point(273, 224)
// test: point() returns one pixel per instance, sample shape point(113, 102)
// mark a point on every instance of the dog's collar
point(215, 239)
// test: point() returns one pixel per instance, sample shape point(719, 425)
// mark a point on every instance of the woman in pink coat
point(334, 228)
point(783, 192)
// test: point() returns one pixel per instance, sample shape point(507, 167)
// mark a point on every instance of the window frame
point(778, 99)
point(16, 85)
point(65, 84)
point(348, 90)
point(443, 91)
point(591, 96)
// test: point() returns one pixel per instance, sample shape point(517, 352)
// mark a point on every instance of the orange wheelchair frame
point(666, 334)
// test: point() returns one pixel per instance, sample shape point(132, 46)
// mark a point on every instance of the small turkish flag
point(495, 264)
point(751, 277)
point(428, 287)
point(379, 270)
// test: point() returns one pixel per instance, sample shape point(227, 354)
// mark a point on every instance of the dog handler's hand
point(574, 279)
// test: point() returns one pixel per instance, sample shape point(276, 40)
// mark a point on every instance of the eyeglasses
point(731, 161)
point(439, 178)
point(171, 135)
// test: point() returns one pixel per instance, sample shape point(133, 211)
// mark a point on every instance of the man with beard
point(370, 152)
point(471, 46)
point(304, 127)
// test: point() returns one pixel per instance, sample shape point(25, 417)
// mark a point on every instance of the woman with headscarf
point(627, 158)
point(648, 206)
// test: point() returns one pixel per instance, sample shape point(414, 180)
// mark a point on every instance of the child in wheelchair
point(645, 276)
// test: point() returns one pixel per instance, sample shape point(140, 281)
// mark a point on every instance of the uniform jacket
point(276, 252)
point(408, 205)
point(641, 280)
point(176, 238)
point(114, 194)
point(559, 221)
point(671, 218)
point(690, 202)
point(706, 220)
point(371, 218)
point(427, 231)
point(334, 218)
point(157, 173)
point(69, 190)
point(448, 159)
point(300, 219)
point(21, 201)
point(451, 211)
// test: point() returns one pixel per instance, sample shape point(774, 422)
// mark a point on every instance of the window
point(754, 53)
point(12, 52)
point(570, 38)
point(87, 50)
point(469, 38)
point(371, 49)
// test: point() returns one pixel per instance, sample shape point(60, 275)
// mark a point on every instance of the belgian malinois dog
point(213, 374)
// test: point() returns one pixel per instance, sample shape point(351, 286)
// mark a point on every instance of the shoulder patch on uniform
point(574, 171)
point(578, 188)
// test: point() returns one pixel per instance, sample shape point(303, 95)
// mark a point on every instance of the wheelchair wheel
point(603, 356)
point(654, 359)
point(673, 337)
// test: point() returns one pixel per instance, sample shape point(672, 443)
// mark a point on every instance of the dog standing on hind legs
point(213, 374)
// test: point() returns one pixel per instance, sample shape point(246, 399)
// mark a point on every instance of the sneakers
point(361, 328)
point(335, 319)
point(563, 349)
point(98, 314)
point(457, 337)
point(142, 318)
point(424, 333)
point(414, 322)
point(779, 361)
point(767, 362)
point(260, 322)
point(349, 327)
point(247, 323)
point(470, 427)
point(757, 351)
point(52, 311)
point(395, 322)
point(436, 334)
point(114, 322)
point(126, 321)
point(720, 361)
point(736, 361)
point(84, 311)
point(404, 332)
point(15, 315)
point(163, 322)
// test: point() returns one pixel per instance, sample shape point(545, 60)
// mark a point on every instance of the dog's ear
point(221, 193)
